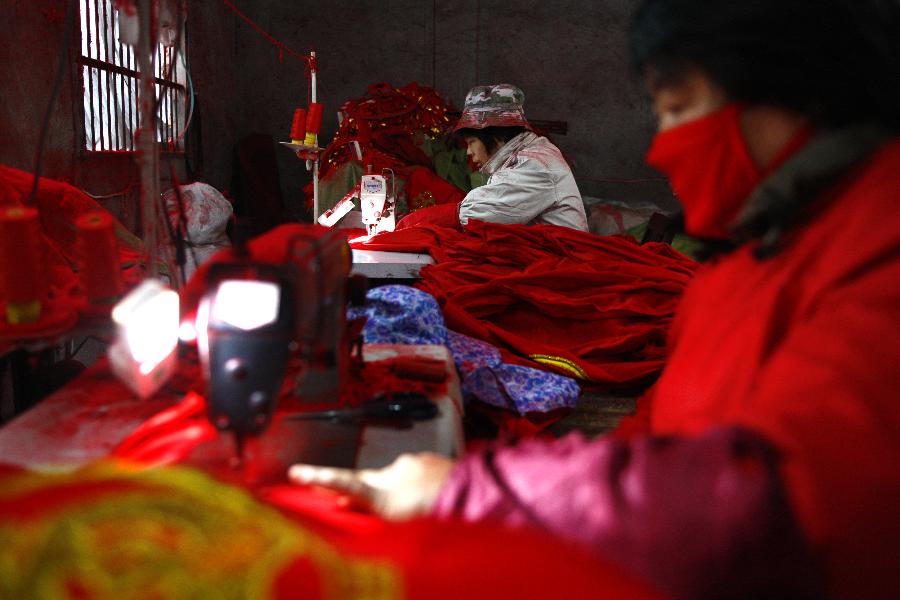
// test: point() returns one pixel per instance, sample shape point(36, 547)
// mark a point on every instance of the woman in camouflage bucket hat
point(528, 182)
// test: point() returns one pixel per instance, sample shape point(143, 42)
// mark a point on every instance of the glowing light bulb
point(143, 355)
point(246, 304)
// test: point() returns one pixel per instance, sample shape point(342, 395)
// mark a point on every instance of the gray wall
point(570, 57)
point(215, 74)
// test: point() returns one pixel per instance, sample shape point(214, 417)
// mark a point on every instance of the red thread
point(100, 274)
point(21, 251)
point(298, 126)
point(314, 118)
point(272, 39)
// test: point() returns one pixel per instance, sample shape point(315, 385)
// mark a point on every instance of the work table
point(377, 264)
point(87, 419)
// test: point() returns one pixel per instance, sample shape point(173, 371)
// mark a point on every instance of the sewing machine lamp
point(245, 326)
point(144, 353)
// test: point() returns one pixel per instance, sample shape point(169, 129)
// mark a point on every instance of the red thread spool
point(101, 276)
point(313, 122)
point(22, 283)
point(298, 126)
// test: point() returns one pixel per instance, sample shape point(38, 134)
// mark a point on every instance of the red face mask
point(709, 168)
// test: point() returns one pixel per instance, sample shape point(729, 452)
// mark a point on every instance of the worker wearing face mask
point(766, 466)
point(528, 182)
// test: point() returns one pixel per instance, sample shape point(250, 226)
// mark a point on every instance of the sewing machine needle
point(237, 460)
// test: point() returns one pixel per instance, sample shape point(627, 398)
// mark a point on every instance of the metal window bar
point(111, 81)
point(87, 43)
point(111, 113)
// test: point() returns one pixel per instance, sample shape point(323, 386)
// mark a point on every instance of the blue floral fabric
point(531, 390)
point(485, 376)
point(400, 314)
point(471, 354)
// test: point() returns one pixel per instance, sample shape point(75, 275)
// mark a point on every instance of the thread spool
point(313, 123)
point(101, 276)
point(22, 282)
point(298, 126)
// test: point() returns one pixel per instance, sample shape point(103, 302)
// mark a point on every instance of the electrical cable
point(63, 59)
point(175, 238)
point(124, 192)
point(85, 340)
point(272, 39)
point(190, 82)
point(282, 48)
point(177, 51)
point(182, 220)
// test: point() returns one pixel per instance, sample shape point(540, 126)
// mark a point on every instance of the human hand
point(406, 488)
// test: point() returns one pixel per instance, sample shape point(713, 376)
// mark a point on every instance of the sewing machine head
point(377, 200)
point(260, 320)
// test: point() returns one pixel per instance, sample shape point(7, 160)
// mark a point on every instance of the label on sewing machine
point(373, 185)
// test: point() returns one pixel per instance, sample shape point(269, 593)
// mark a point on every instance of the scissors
point(399, 409)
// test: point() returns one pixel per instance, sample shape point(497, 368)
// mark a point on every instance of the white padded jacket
point(529, 183)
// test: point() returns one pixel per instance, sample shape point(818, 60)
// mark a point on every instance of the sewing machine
point(274, 334)
point(258, 318)
point(377, 201)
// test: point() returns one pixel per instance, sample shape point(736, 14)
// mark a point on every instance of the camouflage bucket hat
point(493, 106)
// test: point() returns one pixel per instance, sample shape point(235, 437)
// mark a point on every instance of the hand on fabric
point(445, 215)
point(406, 488)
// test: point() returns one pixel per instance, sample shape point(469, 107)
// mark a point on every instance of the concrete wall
point(570, 57)
point(211, 52)
point(357, 42)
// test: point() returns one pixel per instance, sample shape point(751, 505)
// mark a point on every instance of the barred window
point(111, 81)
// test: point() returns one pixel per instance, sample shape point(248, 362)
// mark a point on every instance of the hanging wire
point(190, 82)
point(63, 61)
point(175, 52)
point(281, 46)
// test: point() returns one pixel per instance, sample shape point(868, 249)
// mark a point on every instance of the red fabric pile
point(595, 308)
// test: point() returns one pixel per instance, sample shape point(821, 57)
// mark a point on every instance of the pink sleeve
point(692, 516)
